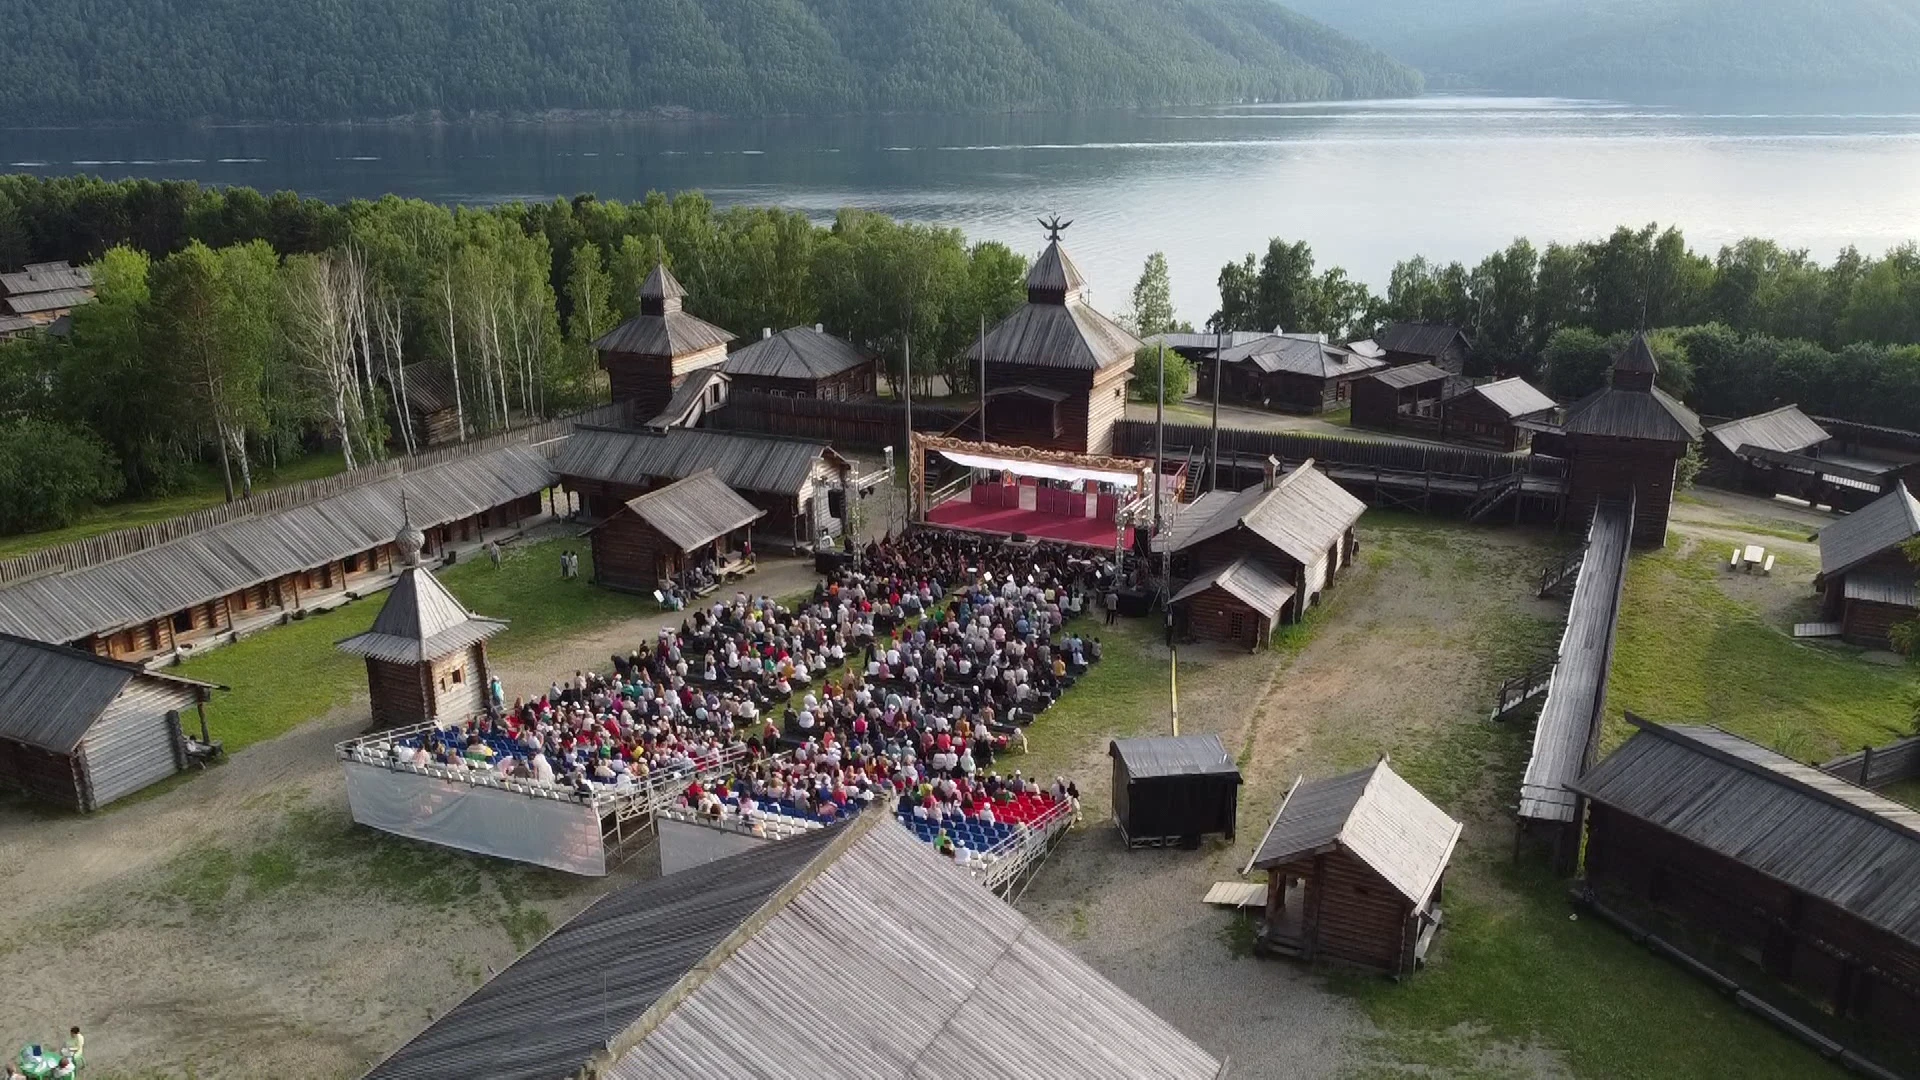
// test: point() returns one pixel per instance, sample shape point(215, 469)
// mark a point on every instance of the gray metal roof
point(797, 353)
point(1248, 579)
point(1785, 429)
point(760, 463)
point(51, 694)
point(420, 622)
point(1371, 814)
point(1886, 522)
point(849, 951)
point(1304, 515)
point(1813, 832)
point(52, 300)
point(225, 558)
point(1160, 756)
point(1420, 339)
point(1516, 397)
point(1633, 414)
point(1878, 588)
point(695, 510)
point(1068, 335)
point(549, 1012)
point(672, 333)
point(1410, 375)
point(1311, 355)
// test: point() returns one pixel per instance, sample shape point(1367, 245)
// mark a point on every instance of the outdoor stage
point(959, 513)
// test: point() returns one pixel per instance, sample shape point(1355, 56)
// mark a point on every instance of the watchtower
point(647, 357)
point(1627, 439)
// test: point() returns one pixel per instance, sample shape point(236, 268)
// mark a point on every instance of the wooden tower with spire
point(647, 357)
point(1627, 438)
point(426, 653)
point(1056, 369)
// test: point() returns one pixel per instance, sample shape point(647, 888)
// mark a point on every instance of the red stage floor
point(959, 514)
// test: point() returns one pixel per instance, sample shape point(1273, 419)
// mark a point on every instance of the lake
point(1366, 183)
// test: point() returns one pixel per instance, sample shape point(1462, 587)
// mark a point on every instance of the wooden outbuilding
point(1867, 581)
point(650, 355)
point(656, 537)
point(1297, 373)
point(41, 294)
point(424, 394)
point(1784, 451)
point(1405, 398)
point(426, 653)
point(1247, 561)
point(79, 730)
point(803, 362)
point(1173, 789)
point(801, 485)
point(1058, 343)
point(1626, 440)
point(1445, 347)
point(1769, 865)
point(1496, 415)
point(1355, 866)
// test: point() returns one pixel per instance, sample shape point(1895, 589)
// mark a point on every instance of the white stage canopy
point(1049, 472)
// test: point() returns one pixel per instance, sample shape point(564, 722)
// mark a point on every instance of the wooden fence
point(1135, 438)
point(113, 545)
point(1877, 766)
point(861, 425)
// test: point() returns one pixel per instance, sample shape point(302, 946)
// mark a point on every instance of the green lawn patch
point(203, 490)
point(1689, 654)
point(1125, 694)
point(287, 675)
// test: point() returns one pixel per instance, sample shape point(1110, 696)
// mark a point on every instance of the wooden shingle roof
point(1883, 524)
point(1303, 515)
point(1054, 273)
point(420, 622)
point(50, 695)
point(1374, 816)
point(1311, 355)
point(797, 353)
point(1812, 832)
point(1785, 429)
point(760, 463)
point(694, 511)
point(1421, 339)
point(1516, 397)
point(1069, 335)
point(1410, 375)
point(1650, 415)
point(1247, 579)
point(673, 333)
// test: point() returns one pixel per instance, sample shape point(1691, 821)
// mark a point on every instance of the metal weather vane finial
point(1054, 226)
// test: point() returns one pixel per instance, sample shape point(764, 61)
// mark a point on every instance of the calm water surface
point(1365, 183)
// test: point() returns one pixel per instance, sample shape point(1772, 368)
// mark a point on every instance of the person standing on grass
point(493, 553)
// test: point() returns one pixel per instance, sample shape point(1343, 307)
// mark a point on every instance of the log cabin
point(1626, 440)
point(650, 355)
point(1405, 399)
point(1495, 415)
point(425, 397)
point(1244, 562)
point(1445, 347)
point(1296, 373)
point(655, 538)
point(426, 654)
point(1057, 344)
point(1867, 581)
point(1355, 866)
point(1771, 868)
point(80, 731)
point(803, 362)
point(40, 294)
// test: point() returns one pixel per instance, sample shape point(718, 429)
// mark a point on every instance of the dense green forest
point(1638, 49)
point(1748, 328)
point(238, 329)
point(308, 60)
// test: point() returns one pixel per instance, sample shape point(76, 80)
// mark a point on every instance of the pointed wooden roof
point(1637, 356)
point(1054, 278)
point(662, 328)
point(662, 285)
point(420, 622)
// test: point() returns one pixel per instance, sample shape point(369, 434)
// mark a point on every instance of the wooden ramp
point(1237, 894)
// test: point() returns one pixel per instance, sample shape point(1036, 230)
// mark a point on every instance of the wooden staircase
point(1561, 574)
point(1523, 688)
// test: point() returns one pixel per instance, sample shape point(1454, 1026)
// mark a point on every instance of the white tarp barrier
point(1034, 468)
point(560, 833)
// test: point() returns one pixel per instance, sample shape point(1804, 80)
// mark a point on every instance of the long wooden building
point(1867, 581)
point(1812, 880)
point(655, 538)
point(39, 294)
point(1297, 373)
point(80, 731)
point(1067, 363)
point(801, 485)
point(1355, 866)
point(253, 569)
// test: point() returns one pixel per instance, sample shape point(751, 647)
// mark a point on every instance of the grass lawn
point(1689, 654)
point(290, 674)
point(203, 490)
point(1906, 791)
point(1125, 694)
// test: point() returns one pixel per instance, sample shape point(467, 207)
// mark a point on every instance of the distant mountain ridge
point(1632, 49)
point(92, 61)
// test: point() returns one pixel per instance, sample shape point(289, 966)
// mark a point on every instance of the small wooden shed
point(1867, 583)
point(1404, 398)
point(426, 653)
point(1354, 868)
point(1173, 789)
point(657, 537)
point(1493, 415)
point(80, 730)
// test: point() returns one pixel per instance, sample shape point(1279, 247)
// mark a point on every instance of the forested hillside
point(85, 61)
point(1633, 49)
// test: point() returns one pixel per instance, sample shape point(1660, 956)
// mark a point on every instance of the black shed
point(1173, 788)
